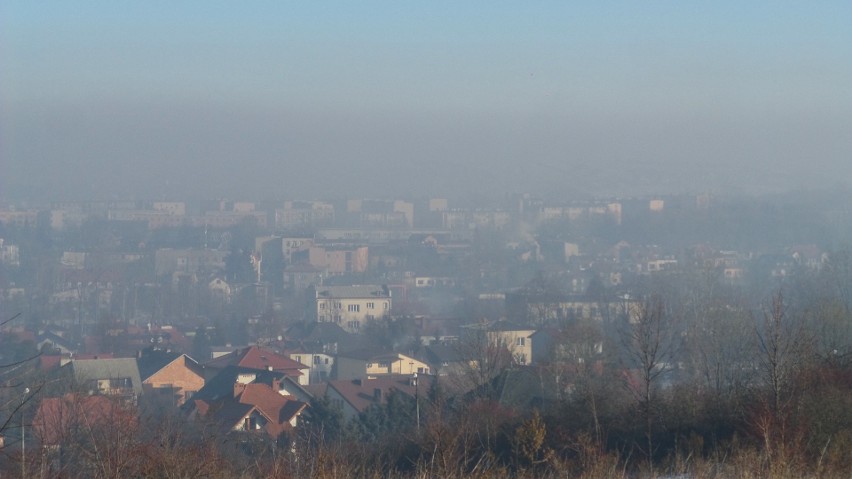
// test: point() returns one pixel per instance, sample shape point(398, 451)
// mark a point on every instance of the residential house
point(250, 400)
point(174, 377)
point(447, 359)
point(502, 334)
point(117, 377)
point(350, 306)
point(49, 342)
point(258, 358)
point(319, 361)
point(369, 363)
point(354, 396)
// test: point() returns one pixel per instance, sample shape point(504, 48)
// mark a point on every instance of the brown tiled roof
point(276, 408)
point(269, 402)
point(360, 393)
point(257, 357)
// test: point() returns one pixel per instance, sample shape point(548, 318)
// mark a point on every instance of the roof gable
point(257, 357)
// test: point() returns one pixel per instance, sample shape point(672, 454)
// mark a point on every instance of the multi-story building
point(339, 259)
point(350, 306)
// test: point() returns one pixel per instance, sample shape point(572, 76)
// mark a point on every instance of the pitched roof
point(268, 402)
point(444, 353)
point(258, 358)
point(152, 360)
point(367, 354)
point(222, 384)
point(229, 411)
point(112, 368)
point(361, 393)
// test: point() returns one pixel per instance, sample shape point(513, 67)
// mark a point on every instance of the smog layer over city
point(436, 239)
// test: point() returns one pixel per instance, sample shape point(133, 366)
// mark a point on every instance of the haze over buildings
point(280, 99)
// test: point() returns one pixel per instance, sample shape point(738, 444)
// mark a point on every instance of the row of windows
point(316, 359)
point(353, 308)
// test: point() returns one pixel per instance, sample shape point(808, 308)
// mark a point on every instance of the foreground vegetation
point(697, 380)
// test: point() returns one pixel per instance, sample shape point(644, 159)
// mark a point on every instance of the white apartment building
point(351, 306)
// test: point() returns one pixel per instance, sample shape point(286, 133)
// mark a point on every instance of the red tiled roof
point(278, 410)
point(257, 357)
point(264, 398)
point(360, 393)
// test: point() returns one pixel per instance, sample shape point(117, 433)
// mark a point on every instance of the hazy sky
point(163, 99)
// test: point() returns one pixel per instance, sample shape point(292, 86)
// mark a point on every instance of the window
point(353, 324)
point(386, 305)
point(520, 341)
point(354, 308)
point(316, 359)
point(338, 305)
point(371, 305)
point(322, 305)
point(337, 318)
point(298, 359)
point(326, 360)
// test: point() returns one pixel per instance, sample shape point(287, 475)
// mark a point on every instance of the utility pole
point(417, 399)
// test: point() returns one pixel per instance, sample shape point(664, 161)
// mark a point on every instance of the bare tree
point(485, 355)
point(651, 341)
point(17, 391)
point(783, 345)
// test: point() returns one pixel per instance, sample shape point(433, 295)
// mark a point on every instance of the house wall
point(339, 402)
point(339, 261)
point(403, 365)
point(320, 366)
point(350, 368)
point(352, 313)
point(179, 376)
point(518, 342)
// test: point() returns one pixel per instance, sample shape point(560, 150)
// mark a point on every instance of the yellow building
point(367, 363)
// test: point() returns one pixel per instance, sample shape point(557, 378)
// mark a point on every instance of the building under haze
point(350, 306)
